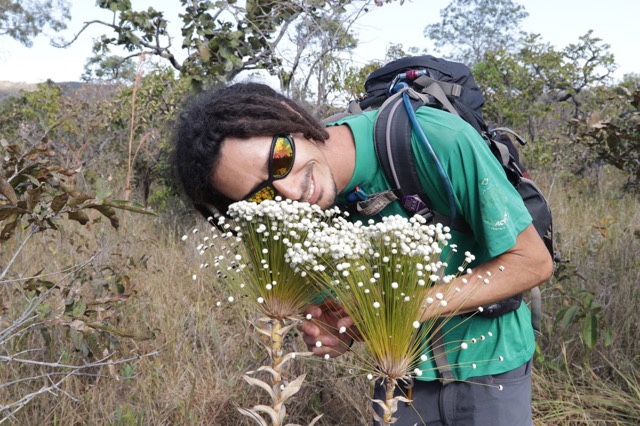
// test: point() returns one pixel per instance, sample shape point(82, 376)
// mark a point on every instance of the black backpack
point(397, 90)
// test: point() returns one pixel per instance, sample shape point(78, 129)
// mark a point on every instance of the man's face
point(244, 165)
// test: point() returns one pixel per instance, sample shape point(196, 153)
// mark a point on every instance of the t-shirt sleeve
point(486, 199)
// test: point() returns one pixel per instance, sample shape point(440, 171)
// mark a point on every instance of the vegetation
point(113, 324)
point(23, 20)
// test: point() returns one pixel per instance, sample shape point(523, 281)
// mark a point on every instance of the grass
point(204, 349)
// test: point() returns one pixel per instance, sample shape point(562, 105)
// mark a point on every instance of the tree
point(616, 140)
point(587, 63)
point(23, 20)
point(472, 27)
point(523, 88)
point(222, 39)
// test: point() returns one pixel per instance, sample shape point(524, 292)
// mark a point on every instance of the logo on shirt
point(492, 202)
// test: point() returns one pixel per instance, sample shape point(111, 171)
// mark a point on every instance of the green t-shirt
point(477, 180)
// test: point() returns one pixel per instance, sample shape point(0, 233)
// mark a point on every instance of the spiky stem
point(390, 387)
point(276, 347)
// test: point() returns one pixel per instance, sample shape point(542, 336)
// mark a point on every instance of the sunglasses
point(281, 157)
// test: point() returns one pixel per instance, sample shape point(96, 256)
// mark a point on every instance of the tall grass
point(197, 377)
point(204, 348)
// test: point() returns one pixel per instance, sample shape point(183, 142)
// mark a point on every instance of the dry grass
point(196, 378)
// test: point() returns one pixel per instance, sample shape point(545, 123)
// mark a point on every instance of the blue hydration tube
point(418, 129)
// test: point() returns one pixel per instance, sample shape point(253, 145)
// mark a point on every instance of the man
point(227, 146)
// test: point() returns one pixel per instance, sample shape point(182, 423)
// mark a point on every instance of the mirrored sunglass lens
point(266, 193)
point(282, 159)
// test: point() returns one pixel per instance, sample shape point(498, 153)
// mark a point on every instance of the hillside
point(10, 88)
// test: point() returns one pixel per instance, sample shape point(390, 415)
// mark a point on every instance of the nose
point(287, 188)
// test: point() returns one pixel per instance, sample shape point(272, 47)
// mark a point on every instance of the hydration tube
point(418, 129)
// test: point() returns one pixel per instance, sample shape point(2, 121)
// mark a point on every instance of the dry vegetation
point(204, 349)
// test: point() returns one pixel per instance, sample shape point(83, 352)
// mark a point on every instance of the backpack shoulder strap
point(392, 136)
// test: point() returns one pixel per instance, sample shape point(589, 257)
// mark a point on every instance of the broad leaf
point(590, 331)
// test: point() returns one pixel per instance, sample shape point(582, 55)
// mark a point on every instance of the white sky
point(559, 22)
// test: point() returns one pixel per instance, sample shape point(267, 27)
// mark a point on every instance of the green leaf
point(608, 336)
point(568, 316)
point(78, 308)
point(590, 331)
point(127, 371)
point(129, 205)
point(103, 191)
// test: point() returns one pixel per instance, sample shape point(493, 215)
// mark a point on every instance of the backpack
point(398, 89)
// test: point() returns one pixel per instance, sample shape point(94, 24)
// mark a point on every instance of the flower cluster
point(383, 275)
point(255, 259)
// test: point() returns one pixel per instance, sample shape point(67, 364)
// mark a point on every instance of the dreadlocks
point(243, 110)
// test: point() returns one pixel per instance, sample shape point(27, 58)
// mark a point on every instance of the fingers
point(315, 311)
point(321, 332)
point(309, 328)
point(345, 322)
point(326, 344)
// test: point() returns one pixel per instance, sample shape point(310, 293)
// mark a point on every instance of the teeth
point(312, 188)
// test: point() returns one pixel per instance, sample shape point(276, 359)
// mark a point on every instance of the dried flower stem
point(280, 387)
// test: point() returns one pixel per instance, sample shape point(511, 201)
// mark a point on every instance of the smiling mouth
point(312, 190)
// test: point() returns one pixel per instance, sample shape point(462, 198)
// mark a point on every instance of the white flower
point(318, 344)
point(309, 316)
point(394, 285)
point(260, 300)
point(376, 305)
point(326, 356)
point(343, 329)
point(464, 345)
point(417, 372)
point(230, 299)
point(194, 277)
point(423, 357)
point(416, 324)
point(369, 376)
point(184, 238)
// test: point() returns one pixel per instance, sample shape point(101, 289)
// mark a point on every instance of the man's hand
point(324, 327)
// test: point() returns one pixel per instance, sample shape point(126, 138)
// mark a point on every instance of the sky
point(559, 22)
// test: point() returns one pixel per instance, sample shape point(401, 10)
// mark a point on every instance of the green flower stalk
point(255, 264)
point(382, 275)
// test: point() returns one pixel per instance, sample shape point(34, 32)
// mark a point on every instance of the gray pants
point(467, 403)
